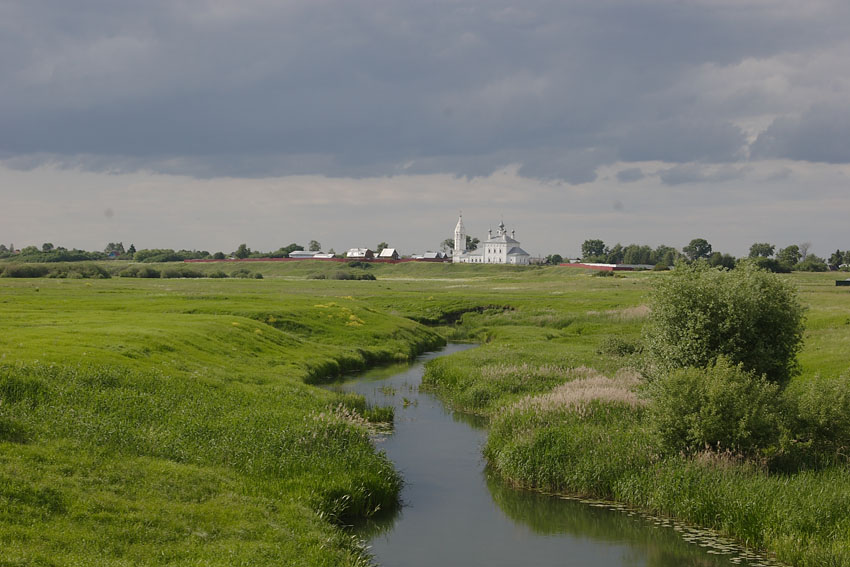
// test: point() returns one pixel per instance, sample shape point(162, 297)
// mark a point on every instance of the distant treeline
point(83, 270)
point(48, 253)
point(791, 258)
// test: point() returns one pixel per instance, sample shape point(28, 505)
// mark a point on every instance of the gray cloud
point(263, 89)
point(822, 134)
point(695, 173)
point(630, 175)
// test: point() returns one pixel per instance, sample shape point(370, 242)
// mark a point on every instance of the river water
point(457, 513)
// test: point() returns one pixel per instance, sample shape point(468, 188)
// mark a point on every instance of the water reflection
point(455, 512)
point(651, 543)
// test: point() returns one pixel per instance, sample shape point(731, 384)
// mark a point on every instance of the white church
point(497, 249)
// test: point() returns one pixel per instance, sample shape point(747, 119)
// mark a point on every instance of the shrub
point(92, 271)
point(811, 264)
point(242, 273)
point(258, 276)
point(772, 265)
point(25, 271)
point(618, 346)
point(819, 424)
point(660, 267)
point(217, 274)
point(148, 272)
point(721, 407)
point(181, 272)
point(748, 315)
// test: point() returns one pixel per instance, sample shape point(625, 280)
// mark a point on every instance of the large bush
point(820, 426)
point(748, 315)
point(721, 407)
point(25, 271)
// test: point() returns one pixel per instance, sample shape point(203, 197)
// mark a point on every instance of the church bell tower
point(460, 237)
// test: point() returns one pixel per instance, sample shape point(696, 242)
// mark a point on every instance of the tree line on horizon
point(795, 257)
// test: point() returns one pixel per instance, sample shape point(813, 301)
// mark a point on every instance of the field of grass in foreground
point(168, 421)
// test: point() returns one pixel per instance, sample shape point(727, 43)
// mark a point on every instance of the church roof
point(503, 238)
point(476, 252)
point(460, 227)
point(517, 251)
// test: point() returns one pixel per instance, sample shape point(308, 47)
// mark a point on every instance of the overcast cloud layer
point(655, 93)
point(261, 88)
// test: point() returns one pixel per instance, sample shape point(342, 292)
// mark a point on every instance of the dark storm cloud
point(822, 135)
point(264, 88)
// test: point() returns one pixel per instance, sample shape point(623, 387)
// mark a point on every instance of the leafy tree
point(381, 246)
point(750, 316)
point(804, 250)
point(314, 246)
point(593, 250)
point(286, 250)
point(812, 263)
point(47, 247)
point(761, 250)
point(131, 250)
point(554, 259)
point(615, 254)
point(666, 255)
point(242, 251)
point(449, 244)
point(790, 255)
point(836, 259)
point(718, 260)
point(698, 248)
point(114, 247)
point(219, 256)
point(771, 265)
point(635, 254)
point(29, 251)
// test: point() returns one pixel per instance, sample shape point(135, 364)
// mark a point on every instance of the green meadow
point(178, 421)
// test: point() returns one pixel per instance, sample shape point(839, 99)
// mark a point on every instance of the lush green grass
point(603, 448)
point(169, 421)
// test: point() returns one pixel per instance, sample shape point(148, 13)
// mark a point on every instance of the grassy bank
point(567, 416)
point(169, 422)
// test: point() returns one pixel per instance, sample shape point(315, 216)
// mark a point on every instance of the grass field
point(172, 421)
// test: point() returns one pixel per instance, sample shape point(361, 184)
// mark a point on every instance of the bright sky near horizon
point(208, 123)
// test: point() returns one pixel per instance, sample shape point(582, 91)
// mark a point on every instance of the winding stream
point(456, 513)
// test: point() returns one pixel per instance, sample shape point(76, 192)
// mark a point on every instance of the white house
point(497, 249)
point(389, 254)
point(359, 253)
point(302, 254)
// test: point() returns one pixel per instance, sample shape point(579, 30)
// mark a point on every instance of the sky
point(203, 124)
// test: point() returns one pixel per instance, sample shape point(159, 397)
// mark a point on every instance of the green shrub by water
point(750, 316)
point(719, 408)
